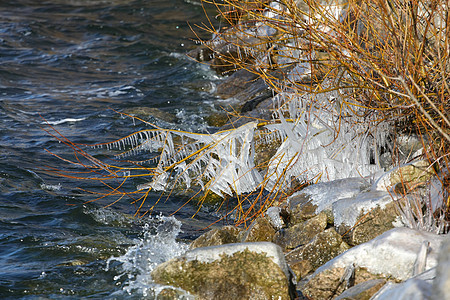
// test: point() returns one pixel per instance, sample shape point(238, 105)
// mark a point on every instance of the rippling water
point(70, 62)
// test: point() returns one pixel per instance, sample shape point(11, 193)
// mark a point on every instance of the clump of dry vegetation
point(388, 59)
point(350, 79)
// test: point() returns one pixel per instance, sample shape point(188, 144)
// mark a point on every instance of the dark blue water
point(70, 62)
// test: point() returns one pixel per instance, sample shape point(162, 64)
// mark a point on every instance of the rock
point(233, 271)
point(302, 233)
point(300, 208)
point(416, 288)
point(324, 194)
point(441, 286)
point(301, 268)
point(322, 248)
point(260, 231)
point(216, 119)
point(368, 215)
point(392, 254)
point(235, 83)
point(332, 282)
point(376, 222)
point(218, 236)
point(169, 293)
point(404, 177)
point(362, 291)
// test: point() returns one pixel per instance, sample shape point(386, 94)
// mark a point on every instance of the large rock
point(405, 177)
point(260, 231)
point(394, 254)
point(365, 216)
point(302, 233)
point(322, 248)
point(236, 83)
point(233, 271)
point(217, 236)
point(332, 282)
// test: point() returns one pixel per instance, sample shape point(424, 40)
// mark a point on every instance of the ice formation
point(321, 138)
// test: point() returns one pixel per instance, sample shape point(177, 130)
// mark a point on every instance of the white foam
point(62, 121)
point(157, 245)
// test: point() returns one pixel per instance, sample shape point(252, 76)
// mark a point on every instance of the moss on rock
point(242, 275)
point(260, 231)
point(325, 246)
point(371, 224)
point(219, 236)
point(302, 233)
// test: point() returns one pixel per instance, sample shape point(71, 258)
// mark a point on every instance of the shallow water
point(69, 63)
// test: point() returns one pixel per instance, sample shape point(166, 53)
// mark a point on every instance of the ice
point(324, 194)
point(273, 214)
point(393, 253)
point(347, 211)
point(51, 187)
point(300, 71)
point(416, 288)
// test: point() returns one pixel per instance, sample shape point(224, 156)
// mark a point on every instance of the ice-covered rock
point(365, 216)
point(233, 271)
point(393, 254)
point(347, 211)
point(404, 176)
point(441, 286)
point(324, 194)
point(415, 288)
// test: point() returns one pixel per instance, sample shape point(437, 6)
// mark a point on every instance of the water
point(70, 62)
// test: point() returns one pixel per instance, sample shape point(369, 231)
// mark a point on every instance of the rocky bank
point(342, 239)
point(367, 237)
